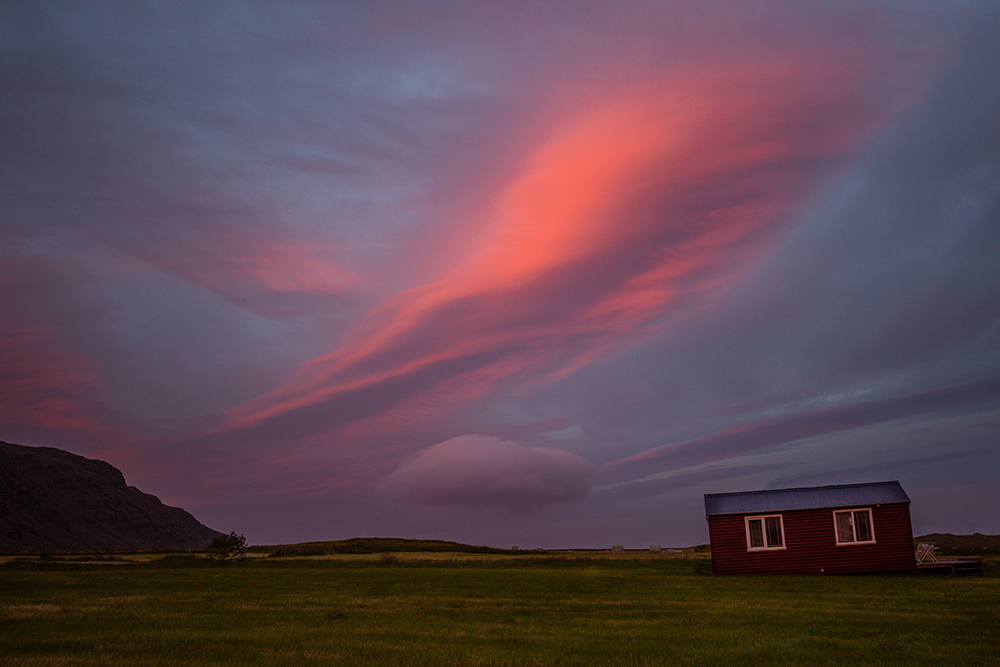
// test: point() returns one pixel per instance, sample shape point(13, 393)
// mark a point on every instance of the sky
point(506, 273)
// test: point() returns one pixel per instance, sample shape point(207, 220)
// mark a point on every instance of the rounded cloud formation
point(482, 471)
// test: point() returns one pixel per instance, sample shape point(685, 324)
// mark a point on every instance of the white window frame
point(763, 526)
point(854, 528)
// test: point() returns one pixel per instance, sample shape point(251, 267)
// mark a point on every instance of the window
point(854, 527)
point(765, 532)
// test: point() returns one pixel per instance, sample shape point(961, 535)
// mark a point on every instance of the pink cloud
point(622, 212)
point(483, 471)
point(46, 386)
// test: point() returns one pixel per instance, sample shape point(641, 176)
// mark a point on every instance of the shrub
point(228, 546)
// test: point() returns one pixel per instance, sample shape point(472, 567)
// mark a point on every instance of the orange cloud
point(654, 197)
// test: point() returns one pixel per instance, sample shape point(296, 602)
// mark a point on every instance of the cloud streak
point(755, 436)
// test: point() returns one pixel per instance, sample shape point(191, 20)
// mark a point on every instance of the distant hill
point(961, 545)
point(52, 500)
point(371, 545)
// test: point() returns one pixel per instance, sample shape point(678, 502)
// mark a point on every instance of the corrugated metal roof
point(784, 500)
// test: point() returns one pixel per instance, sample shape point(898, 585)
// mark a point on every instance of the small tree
point(228, 546)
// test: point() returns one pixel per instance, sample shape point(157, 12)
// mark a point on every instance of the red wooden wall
point(811, 547)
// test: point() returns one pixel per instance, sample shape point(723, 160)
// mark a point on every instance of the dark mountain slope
point(52, 500)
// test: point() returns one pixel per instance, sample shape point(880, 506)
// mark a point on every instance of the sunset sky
point(507, 273)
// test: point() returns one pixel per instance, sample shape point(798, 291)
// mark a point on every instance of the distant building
point(842, 529)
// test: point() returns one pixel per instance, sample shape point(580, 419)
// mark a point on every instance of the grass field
point(466, 610)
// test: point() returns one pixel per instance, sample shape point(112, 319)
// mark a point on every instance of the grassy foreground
point(527, 611)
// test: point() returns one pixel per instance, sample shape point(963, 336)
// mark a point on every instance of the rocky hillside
point(51, 500)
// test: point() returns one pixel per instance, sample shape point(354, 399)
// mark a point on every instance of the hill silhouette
point(373, 545)
point(52, 500)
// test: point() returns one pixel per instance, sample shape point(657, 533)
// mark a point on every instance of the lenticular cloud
point(483, 471)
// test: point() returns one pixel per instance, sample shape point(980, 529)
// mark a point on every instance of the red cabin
point(842, 529)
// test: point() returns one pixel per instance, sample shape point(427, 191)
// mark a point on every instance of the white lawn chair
point(925, 553)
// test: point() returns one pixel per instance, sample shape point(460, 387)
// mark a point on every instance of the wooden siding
point(811, 547)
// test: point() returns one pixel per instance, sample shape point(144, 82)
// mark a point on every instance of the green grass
point(484, 611)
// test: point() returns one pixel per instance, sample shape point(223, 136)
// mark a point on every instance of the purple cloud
point(754, 436)
point(483, 471)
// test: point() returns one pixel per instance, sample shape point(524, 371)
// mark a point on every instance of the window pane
point(844, 531)
point(756, 533)
point(773, 531)
point(863, 525)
